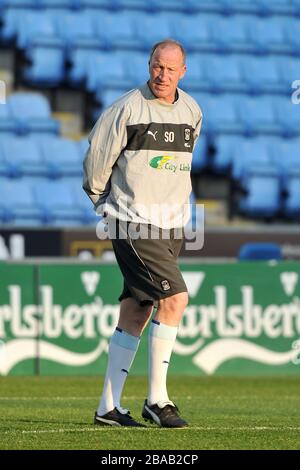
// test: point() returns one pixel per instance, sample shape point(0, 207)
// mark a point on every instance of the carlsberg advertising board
point(242, 319)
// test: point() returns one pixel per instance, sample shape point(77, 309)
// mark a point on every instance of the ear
point(183, 71)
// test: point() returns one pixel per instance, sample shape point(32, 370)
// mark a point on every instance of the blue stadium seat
point(250, 153)
point(262, 75)
point(285, 155)
point(292, 33)
point(79, 60)
point(196, 76)
point(282, 7)
point(241, 6)
point(61, 157)
point(260, 251)
point(224, 74)
point(9, 19)
point(23, 156)
point(57, 203)
point(195, 32)
point(83, 145)
point(106, 70)
point(289, 69)
point(31, 112)
point(269, 36)
point(149, 28)
point(232, 34)
point(7, 122)
point(225, 147)
point(100, 4)
point(117, 30)
point(107, 97)
point(221, 116)
point(136, 68)
point(45, 63)
point(60, 4)
point(288, 116)
point(258, 116)
point(20, 4)
point(34, 26)
point(199, 160)
point(263, 192)
point(17, 203)
point(76, 29)
point(143, 5)
point(89, 216)
point(292, 188)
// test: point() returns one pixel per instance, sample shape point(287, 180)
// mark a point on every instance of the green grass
point(224, 413)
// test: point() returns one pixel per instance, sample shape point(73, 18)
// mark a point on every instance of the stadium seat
point(262, 75)
point(106, 70)
point(260, 251)
point(7, 122)
point(258, 116)
point(23, 156)
point(100, 4)
point(79, 60)
point(31, 112)
point(285, 155)
point(199, 160)
point(61, 156)
point(33, 26)
point(292, 33)
point(224, 74)
point(45, 65)
point(241, 6)
point(76, 29)
point(262, 186)
point(196, 77)
point(292, 188)
point(248, 154)
point(221, 116)
point(288, 116)
point(57, 202)
point(268, 36)
point(231, 34)
point(83, 145)
point(89, 216)
point(282, 7)
point(195, 32)
point(117, 31)
point(9, 24)
point(149, 28)
point(60, 4)
point(224, 148)
point(17, 203)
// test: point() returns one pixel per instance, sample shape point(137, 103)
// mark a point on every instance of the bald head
point(166, 68)
point(170, 44)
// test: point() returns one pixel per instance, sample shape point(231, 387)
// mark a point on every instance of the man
point(137, 170)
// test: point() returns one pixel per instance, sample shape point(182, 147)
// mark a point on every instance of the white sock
point(161, 342)
point(122, 349)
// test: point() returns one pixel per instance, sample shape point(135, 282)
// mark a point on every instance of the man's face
point(166, 69)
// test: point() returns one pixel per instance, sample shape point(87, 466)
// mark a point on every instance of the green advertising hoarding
point(242, 319)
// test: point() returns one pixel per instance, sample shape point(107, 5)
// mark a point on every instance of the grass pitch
point(224, 413)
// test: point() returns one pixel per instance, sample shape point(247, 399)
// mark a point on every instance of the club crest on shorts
point(165, 285)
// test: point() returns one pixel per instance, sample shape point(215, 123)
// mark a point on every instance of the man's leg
point(162, 336)
point(122, 349)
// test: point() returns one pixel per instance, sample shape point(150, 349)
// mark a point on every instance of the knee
point(175, 303)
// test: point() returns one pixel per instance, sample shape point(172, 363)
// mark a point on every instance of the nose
point(162, 73)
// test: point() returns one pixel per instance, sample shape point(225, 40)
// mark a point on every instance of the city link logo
point(167, 162)
point(209, 334)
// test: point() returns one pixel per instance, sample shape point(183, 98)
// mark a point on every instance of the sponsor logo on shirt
point(168, 162)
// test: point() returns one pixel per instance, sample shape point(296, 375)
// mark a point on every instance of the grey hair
point(168, 42)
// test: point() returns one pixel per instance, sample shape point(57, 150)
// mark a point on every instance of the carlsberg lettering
point(95, 318)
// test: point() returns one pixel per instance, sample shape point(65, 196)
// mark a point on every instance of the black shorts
point(149, 266)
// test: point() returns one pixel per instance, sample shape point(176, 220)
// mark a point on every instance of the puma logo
point(153, 134)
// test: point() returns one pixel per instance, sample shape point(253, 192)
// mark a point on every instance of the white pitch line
point(194, 428)
point(203, 397)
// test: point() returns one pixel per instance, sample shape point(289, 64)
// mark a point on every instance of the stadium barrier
point(56, 318)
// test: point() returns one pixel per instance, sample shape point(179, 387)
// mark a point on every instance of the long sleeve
point(107, 139)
